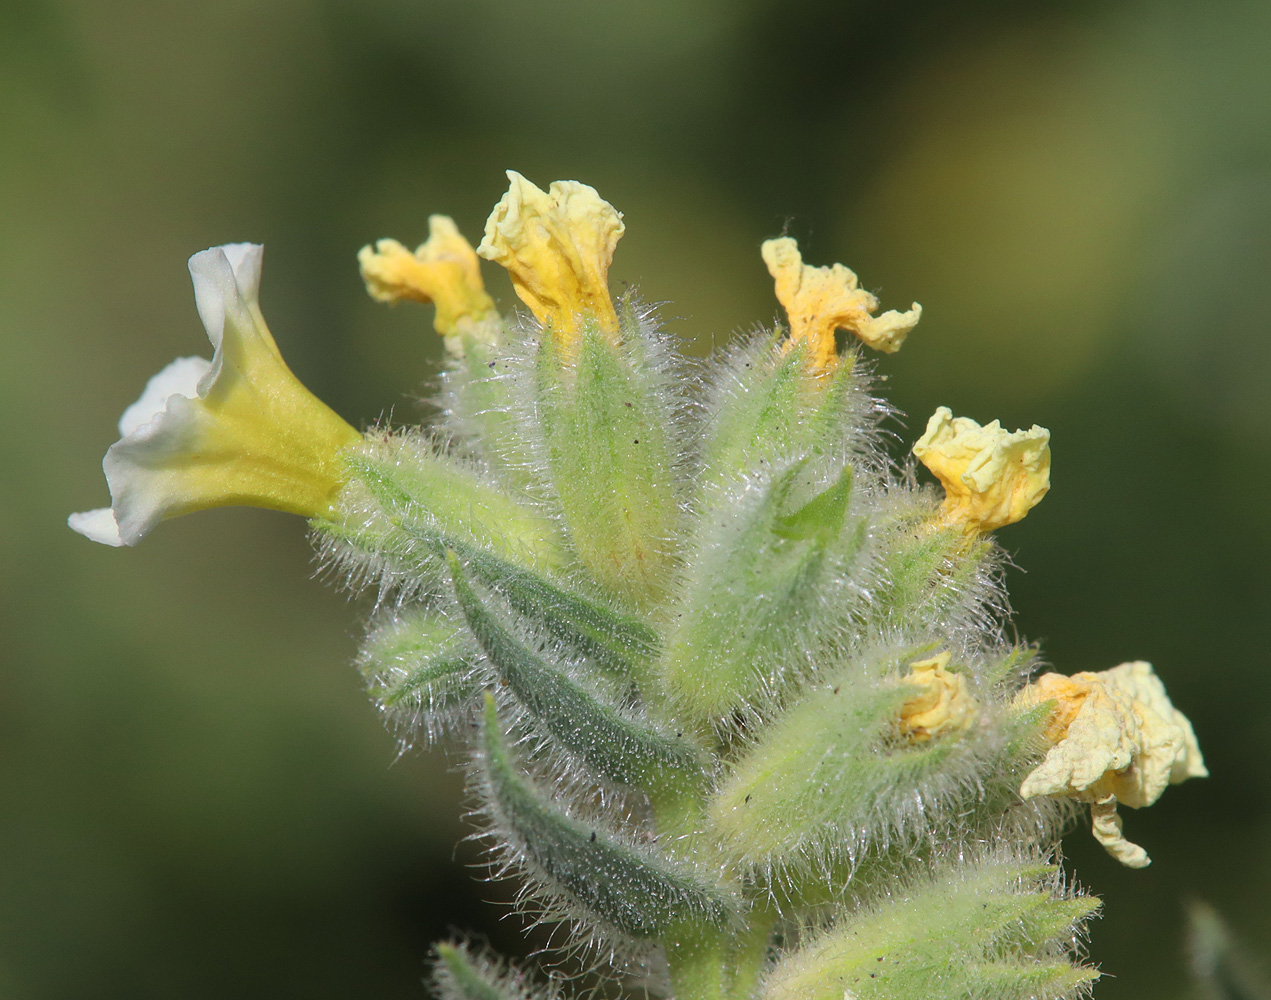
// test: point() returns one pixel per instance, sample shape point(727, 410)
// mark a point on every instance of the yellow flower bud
point(237, 430)
point(820, 300)
point(942, 703)
point(991, 477)
point(557, 246)
point(1114, 738)
point(443, 270)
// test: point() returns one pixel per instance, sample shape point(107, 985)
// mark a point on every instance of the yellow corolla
point(991, 477)
point(239, 429)
point(941, 704)
point(444, 270)
point(1114, 738)
point(557, 246)
point(820, 300)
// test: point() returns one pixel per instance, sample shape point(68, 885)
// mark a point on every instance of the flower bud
point(941, 704)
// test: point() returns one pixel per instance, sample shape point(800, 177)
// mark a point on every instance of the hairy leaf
point(615, 748)
point(596, 876)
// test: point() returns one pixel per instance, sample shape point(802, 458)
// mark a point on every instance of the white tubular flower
point(237, 430)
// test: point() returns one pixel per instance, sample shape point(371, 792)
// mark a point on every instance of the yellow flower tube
point(237, 430)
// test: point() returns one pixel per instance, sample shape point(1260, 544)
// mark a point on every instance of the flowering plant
point(738, 697)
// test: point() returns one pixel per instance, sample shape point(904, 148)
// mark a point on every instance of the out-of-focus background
point(198, 800)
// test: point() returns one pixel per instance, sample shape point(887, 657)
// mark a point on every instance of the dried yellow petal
point(991, 477)
point(820, 300)
point(1115, 738)
point(1105, 824)
point(942, 703)
point(556, 246)
point(444, 270)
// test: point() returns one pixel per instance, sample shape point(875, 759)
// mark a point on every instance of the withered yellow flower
point(443, 270)
point(942, 703)
point(991, 477)
point(556, 246)
point(1115, 738)
point(820, 300)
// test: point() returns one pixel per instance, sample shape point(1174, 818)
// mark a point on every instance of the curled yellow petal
point(556, 246)
point(942, 704)
point(991, 477)
point(820, 300)
point(443, 270)
point(1105, 824)
point(1114, 737)
point(237, 430)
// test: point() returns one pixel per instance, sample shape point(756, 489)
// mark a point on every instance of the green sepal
point(1040, 979)
point(604, 423)
point(478, 407)
point(926, 571)
point(955, 936)
point(775, 406)
point(424, 487)
point(419, 668)
point(802, 788)
point(761, 582)
point(594, 876)
point(821, 517)
point(1037, 921)
point(459, 974)
point(613, 747)
point(833, 774)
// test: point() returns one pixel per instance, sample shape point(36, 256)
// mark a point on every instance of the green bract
point(671, 606)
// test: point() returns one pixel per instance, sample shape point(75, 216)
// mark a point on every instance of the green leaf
point(620, 643)
point(593, 876)
point(615, 748)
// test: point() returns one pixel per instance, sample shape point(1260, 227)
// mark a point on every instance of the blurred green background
point(197, 798)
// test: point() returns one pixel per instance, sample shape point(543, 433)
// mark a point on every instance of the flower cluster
point(740, 703)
